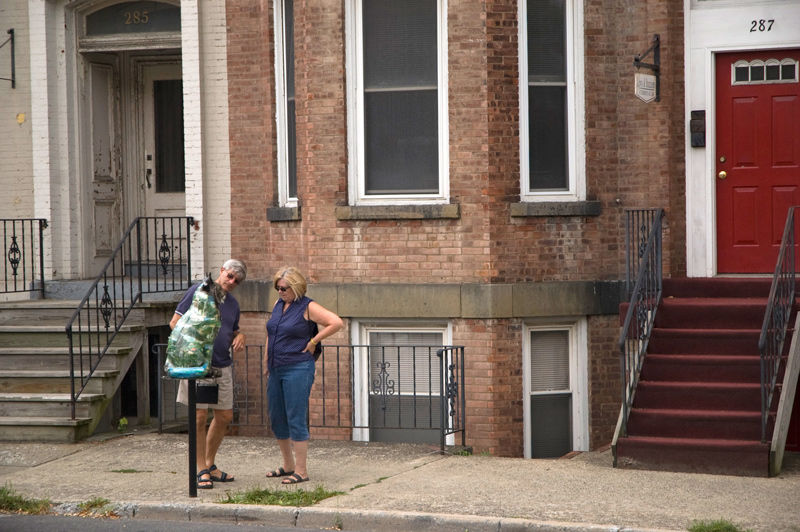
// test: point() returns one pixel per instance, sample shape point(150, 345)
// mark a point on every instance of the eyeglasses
point(232, 278)
point(282, 288)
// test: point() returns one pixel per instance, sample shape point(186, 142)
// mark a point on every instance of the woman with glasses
point(289, 365)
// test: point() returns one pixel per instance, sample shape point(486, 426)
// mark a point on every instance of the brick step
point(49, 405)
point(696, 424)
point(701, 368)
point(707, 313)
point(705, 341)
point(721, 287)
point(55, 429)
point(55, 358)
point(694, 455)
point(52, 381)
point(698, 395)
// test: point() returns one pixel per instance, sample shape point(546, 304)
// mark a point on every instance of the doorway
point(757, 159)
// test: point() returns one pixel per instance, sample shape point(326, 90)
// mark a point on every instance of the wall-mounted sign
point(645, 86)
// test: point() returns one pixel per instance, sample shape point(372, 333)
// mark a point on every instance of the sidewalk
point(400, 487)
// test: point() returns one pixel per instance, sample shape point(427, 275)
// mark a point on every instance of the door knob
point(723, 174)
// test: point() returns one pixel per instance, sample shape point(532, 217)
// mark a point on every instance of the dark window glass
point(757, 73)
point(291, 121)
point(547, 109)
point(402, 153)
point(788, 72)
point(551, 427)
point(742, 73)
point(401, 96)
point(547, 47)
point(168, 117)
point(773, 72)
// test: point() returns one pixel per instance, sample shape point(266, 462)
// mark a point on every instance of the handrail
point(19, 249)
point(776, 319)
point(644, 300)
point(154, 255)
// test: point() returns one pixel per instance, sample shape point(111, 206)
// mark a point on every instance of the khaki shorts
point(225, 383)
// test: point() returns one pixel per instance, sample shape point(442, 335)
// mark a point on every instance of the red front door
point(757, 162)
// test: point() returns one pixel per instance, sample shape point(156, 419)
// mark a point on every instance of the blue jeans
point(288, 390)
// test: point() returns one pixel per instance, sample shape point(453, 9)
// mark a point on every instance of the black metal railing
point(645, 295)
point(23, 255)
point(776, 320)
point(154, 255)
point(419, 389)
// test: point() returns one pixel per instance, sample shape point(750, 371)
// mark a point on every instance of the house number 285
point(761, 25)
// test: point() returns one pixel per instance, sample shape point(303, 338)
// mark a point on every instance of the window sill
point(556, 208)
point(399, 212)
point(283, 214)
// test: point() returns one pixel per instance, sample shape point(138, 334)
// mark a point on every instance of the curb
point(309, 518)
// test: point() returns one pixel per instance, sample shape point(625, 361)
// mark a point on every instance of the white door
point(101, 153)
point(164, 166)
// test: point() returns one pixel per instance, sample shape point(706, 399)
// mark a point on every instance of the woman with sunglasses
point(289, 366)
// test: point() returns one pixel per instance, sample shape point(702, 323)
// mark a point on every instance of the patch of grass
point(279, 497)
point(97, 507)
point(357, 486)
point(463, 452)
point(720, 525)
point(11, 501)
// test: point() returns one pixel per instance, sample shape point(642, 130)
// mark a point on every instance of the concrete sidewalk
point(400, 487)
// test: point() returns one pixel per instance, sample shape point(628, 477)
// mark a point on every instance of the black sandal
point(204, 483)
point(223, 476)
point(294, 479)
point(280, 472)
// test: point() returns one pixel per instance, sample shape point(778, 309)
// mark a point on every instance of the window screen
point(547, 95)
point(400, 96)
point(405, 361)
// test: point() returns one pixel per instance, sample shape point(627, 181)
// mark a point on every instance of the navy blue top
point(289, 333)
point(229, 323)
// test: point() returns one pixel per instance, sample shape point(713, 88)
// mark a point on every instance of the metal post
point(192, 437)
point(160, 399)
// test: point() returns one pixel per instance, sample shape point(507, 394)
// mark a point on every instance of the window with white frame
point(285, 102)
point(398, 381)
point(555, 404)
point(550, 108)
point(397, 89)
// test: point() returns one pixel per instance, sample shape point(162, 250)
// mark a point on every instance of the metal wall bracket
point(13, 78)
point(655, 66)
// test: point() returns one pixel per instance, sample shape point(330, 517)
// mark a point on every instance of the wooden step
point(53, 381)
point(695, 424)
point(54, 358)
point(54, 336)
point(701, 368)
point(49, 405)
point(704, 341)
point(708, 313)
point(57, 429)
point(698, 395)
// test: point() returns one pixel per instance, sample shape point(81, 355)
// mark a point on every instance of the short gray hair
point(237, 267)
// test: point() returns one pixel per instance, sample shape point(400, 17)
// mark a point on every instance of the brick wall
point(634, 154)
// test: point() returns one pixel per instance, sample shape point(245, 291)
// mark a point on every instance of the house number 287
point(761, 25)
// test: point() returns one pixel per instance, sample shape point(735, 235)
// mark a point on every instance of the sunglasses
point(282, 288)
point(232, 278)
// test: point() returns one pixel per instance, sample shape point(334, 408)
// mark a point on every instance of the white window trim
point(359, 335)
point(355, 115)
point(578, 378)
point(576, 105)
point(281, 109)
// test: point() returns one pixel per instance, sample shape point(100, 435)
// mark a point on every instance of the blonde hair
point(295, 278)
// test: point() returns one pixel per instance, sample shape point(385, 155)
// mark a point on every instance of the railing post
point(42, 227)
point(442, 397)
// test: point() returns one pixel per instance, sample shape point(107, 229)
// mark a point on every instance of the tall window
point(549, 107)
point(285, 115)
point(555, 402)
point(397, 59)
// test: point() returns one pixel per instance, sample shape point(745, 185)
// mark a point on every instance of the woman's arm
point(329, 323)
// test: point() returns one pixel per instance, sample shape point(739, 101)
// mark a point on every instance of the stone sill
point(399, 212)
point(283, 214)
point(556, 208)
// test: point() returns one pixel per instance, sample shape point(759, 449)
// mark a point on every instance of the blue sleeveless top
point(289, 333)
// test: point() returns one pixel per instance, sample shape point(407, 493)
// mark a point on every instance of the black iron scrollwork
point(383, 386)
point(164, 253)
point(452, 389)
point(14, 255)
point(106, 306)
